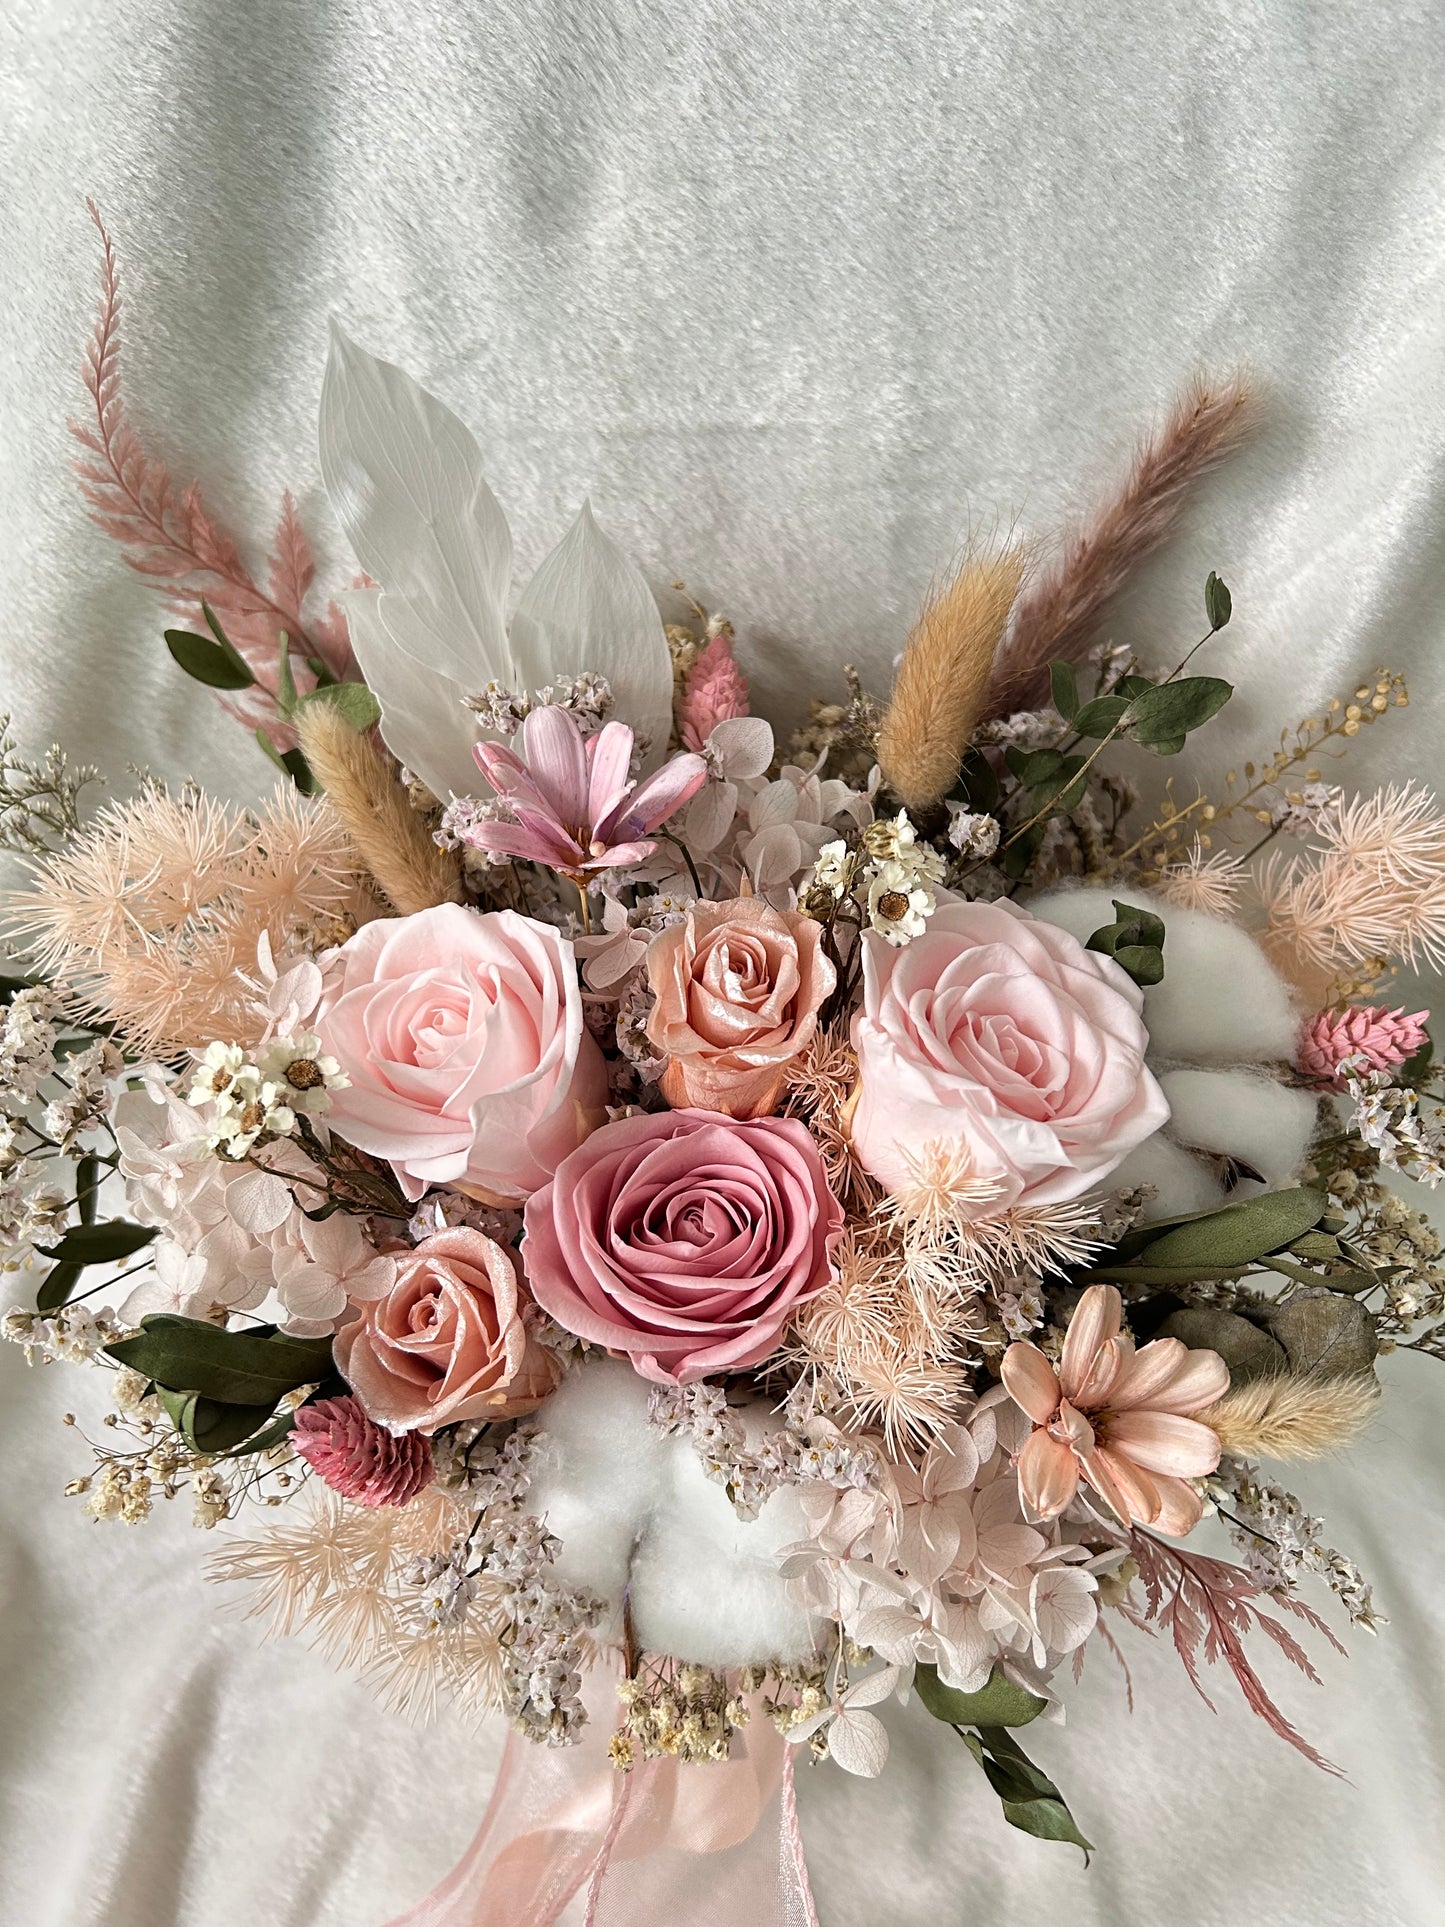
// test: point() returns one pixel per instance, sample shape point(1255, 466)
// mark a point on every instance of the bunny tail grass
point(1058, 617)
point(938, 696)
point(1292, 1418)
point(391, 838)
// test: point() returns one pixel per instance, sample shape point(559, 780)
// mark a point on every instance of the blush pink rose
point(683, 1241)
point(449, 1341)
point(737, 988)
point(462, 1035)
point(1003, 1036)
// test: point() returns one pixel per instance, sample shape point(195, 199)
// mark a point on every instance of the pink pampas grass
point(1384, 1038)
point(356, 1458)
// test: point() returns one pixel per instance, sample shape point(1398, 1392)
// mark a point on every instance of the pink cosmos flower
point(356, 1458)
point(716, 692)
point(573, 804)
point(1384, 1038)
point(1116, 1419)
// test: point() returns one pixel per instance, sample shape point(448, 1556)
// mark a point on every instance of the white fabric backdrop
point(793, 290)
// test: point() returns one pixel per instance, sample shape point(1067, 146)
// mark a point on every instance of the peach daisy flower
point(1116, 1418)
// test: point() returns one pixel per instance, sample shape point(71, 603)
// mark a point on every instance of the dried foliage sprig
point(39, 800)
point(363, 788)
point(1208, 1607)
point(170, 536)
point(939, 694)
point(1058, 616)
point(1292, 1418)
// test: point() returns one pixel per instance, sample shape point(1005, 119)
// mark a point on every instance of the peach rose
point(738, 987)
point(449, 1341)
point(462, 1035)
point(1003, 1036)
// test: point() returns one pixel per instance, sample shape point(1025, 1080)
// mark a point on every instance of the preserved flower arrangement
point(683, 1237)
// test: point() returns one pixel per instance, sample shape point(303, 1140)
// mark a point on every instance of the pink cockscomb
point(573, 805)
point(356, 1458)
point(1384, 1038)
point(1116, 1418)
point(716, 691)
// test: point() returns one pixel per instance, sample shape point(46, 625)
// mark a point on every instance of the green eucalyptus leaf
point(285, 681)
point(1324, 1333)
point(263, 1440)
point(999, 1703)
point(299, 770)
point(1166, 713)
point(208, 662)
point(1218, 605)
point(977, 784)
point(1030, 1800)
point(1240, 1233)
point(56, 1287)
point(1064, 683)
point(1098, 717)
point(1415, 1070)
point(324, 676)
point(99, 1244)
point(233, 1368)
point(1246, 1350)
point(216, 1428)
point(1145, 966)
point(87, 1186)
point(1047, 1819)
point(1316, 1244)
point(352, 701)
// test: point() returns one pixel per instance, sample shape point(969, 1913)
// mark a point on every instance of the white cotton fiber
point(1184, 1183)
point(1221, 1001)
point(1253, 1118)
point(631, 1505)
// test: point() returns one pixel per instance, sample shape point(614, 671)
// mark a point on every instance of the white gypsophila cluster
point(588, 697)
point(1026, 729)
point(1301, 812)
point(88, 1096)
point(971, 832)
point(806, 1448)
point(1389, 1119)
point(445, 1587)
point(456, 831)
point(1281, 1542)
point(1020, 1303)
point(29, 1033)
point(75, 1333)
point(293, 1078)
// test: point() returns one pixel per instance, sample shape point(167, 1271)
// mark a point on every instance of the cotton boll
point(1221, 1001)
point(1184, 1183)
point(1265, 1124)
point(705, 1583)
point(602, 1472)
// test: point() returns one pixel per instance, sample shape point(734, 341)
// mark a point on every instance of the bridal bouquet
point(682, 1234)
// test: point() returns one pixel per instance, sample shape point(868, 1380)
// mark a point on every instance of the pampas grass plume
point(938, 696)
point(363, 790)
point(1292, 1418)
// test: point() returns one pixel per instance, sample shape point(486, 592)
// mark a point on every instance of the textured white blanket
point(794, 290)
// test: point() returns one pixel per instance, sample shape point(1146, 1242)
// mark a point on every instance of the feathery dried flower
point(1209, 884)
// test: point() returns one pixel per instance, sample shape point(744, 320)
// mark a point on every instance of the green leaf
point(219, 667)
point(1000, 1703)
point(1135, 940)
point(1030, 1800)
point(1415, 1070)
point(1324, 1333)
point(1064, 682)
point(292, 761)
point(977, 785)
point(1098, 717)
point(222, 1431)
point(1047, 1819)
point(1217, 604)
point(99, 1244)
point(233, 1368)
point(1164, 714)
point(87, 1187)
point(1145, 966)
point(261, 1441)
point(285, 681)
point(1246, 1350)
point(352, 701)
point(1240, 1233)
point(324, 677)
point(57, 1286)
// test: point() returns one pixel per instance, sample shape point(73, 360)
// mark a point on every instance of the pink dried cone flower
point(1116, 1419)
point(355, 1457)
point(1384, 1038)
point(573, 804)
point(716, 691)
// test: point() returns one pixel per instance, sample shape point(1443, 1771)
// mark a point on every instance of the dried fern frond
point(363, 790)
point(938, 696)
point(1058, 616)
point(1292, 1418)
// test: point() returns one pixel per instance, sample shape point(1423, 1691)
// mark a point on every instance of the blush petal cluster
point(682, 1241)
point(1116, 1418)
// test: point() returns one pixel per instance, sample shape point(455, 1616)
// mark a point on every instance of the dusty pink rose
point(1116, 1418)
point(462, 1035)
point(683, 1241)
point(448, 1341)
point(357, 1458)
point(737, 989)
point(1000, 1035)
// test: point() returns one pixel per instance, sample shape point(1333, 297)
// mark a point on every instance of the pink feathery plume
point(1058, 617)
point(716, 691)
point(1207, 1606)
point(170, 536)
point(1384, 1038)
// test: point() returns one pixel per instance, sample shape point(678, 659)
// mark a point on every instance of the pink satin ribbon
point(566, 1835)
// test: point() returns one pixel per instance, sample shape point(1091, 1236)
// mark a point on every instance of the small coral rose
point(449, 1341)
point(737, 989)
